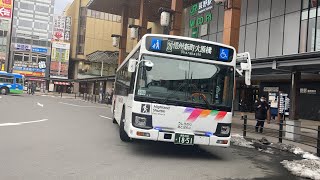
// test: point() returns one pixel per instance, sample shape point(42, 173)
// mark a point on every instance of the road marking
point(105, 117)
point(0, 97)
point(41, 105)
point(75, 105)
point(21, 123)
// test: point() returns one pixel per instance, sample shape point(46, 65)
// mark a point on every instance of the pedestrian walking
point(33, 88)
point(29, 87)
point(261, 113)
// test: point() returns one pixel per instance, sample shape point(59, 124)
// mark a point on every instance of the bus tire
point(123, 135)
point(4, 91)
point(114, 121)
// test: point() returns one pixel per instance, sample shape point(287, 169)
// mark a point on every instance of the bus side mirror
point(132, 65)
point(245, 66)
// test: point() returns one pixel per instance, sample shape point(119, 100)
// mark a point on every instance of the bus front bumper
point(156, 135)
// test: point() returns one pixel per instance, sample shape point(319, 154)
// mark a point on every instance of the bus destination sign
point(189, 48)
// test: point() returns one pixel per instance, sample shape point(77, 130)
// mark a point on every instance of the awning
point(115, 7)
point(107, 57)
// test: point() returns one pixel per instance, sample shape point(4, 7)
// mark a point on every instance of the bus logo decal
point(156, 44)
point(224, 54)
point(145, 108)
point(196, 113)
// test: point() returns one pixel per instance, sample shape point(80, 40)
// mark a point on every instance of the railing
point(279, 133)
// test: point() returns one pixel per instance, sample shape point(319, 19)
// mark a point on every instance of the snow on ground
point(268, 150)
point(309, 167)
point(239, 140)
point(304, 168)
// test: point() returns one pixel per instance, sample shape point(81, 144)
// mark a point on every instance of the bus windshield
point(185, 83)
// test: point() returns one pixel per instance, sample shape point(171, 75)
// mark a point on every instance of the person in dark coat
point(261, 113)
point(33, 88)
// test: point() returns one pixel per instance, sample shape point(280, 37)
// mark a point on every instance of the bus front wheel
point(123, 135)
point(4, 91)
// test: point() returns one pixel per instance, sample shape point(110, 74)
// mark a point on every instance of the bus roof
point(11, 74)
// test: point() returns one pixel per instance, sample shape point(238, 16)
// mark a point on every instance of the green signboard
point(200, 14)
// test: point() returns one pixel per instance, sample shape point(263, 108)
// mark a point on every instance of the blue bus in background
point(11, 83)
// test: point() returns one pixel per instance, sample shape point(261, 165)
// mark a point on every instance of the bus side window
point(132, 80)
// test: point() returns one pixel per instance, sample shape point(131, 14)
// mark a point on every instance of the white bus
point(177, 89)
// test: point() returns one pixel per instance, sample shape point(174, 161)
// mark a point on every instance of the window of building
point(291, 35)
point(26, 6)
point(293, 5)
point(251, 36)
point(276, 36)
point(243, 16)
point(264, 9)
point(311, 35)
point(25, 23)
point(252, 12)
point(277, 8)
point(97, 15)
point(305, 4)
point(242, 36)
point(263, 38)
point(43, 9)
point(221, 18)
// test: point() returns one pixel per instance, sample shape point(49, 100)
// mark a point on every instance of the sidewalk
point(271, 131)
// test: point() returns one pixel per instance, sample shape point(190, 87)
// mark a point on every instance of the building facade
point(5, 29)
point(92, 56)
point(272, 31)
point(31, 39)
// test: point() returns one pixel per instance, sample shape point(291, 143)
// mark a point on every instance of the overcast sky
point(60, 5)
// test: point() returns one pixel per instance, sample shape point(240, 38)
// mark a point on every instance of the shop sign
point(201, 20)
point(201, 7)
point(6, 9)
point(308, 91)
point(271, 89)
point(22, 47)
point(40, 50)
point(28, 69)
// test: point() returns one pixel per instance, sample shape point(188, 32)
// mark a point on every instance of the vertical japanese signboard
point(58, 28)
point(62, 28)
point(60, 47)
point(5, 18)
point(200, 17)
point(67, 29)
point(60, 60)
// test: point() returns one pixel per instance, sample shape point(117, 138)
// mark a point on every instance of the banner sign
point(30, 69)
point(60, 60)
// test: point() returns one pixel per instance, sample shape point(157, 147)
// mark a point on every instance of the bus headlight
point(142, 121)
point(223, 130)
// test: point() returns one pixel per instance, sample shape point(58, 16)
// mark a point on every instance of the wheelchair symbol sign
point(224, 54)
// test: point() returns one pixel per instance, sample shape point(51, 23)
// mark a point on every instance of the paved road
point(53, 138)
